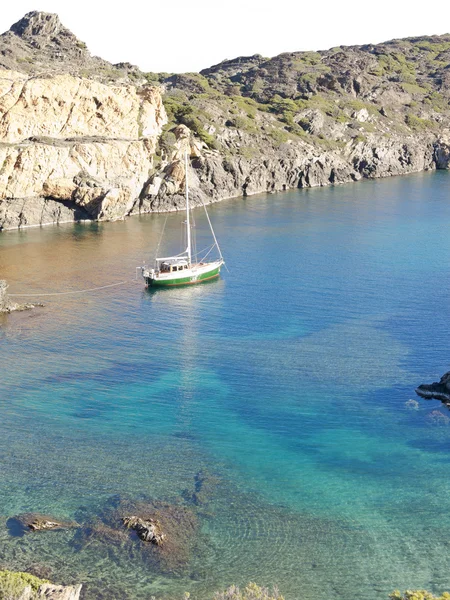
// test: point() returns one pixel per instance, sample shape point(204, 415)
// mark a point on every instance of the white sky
point(175, 36)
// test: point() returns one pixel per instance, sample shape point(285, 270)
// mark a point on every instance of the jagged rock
point(437, 390)
point(312, 120)
point(147, 530)
point(63, 106)
point(442, 154)
point(48, 591)
point(361, 115)
point(38, 522)
point(39, 43)
point(5, 302)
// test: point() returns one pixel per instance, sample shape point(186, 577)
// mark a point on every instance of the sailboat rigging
point(185, 268)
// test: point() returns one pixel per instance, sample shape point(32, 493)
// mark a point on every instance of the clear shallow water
point(287, 380)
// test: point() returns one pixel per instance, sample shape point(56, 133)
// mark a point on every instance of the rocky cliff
point(73, 148)
point(83, 139)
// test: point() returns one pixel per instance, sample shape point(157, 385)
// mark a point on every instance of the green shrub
point(167, 141)
point(418, 595)
point(418, 124)
point(279, 136)
point(12, 584)
point(414, 88)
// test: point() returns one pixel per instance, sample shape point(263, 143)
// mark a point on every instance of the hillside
point(251, 124)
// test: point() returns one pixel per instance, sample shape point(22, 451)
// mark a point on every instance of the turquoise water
point(287, 381)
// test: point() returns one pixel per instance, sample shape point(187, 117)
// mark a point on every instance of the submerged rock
point(437, 390)
point(438, 419)
point(28, 522)
point(159, 534)
point(205, 484)
point(147, 530)
point(412, 404)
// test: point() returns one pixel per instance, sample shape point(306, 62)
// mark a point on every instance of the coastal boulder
point(438, 390)
point(31, 522)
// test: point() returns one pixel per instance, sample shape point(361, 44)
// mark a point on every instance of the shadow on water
point(15, 528)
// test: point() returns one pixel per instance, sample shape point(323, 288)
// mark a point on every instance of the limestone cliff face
point(71, 148)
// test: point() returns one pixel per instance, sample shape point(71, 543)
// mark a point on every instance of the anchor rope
point(102, 287)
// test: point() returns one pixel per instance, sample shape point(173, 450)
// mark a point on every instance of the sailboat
point(185, 268)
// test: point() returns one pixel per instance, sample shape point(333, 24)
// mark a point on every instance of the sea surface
point(287, 383)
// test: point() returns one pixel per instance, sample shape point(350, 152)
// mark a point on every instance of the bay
point(287, 382)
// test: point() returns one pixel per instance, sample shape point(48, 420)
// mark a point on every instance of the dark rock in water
point(437, 390)
point(28, 522)
point(148, 531)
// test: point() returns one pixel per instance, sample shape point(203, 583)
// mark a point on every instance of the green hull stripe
point(183, 280)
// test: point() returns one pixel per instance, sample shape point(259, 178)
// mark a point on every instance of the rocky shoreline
point(82, 139)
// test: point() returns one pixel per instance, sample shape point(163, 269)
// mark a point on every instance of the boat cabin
point(173, 265)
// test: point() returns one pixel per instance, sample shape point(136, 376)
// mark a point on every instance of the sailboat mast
point(188, 222)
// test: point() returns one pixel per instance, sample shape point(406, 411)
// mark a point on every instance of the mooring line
point(103, 287)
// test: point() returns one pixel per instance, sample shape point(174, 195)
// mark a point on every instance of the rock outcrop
point(39, 43)
point(7, 305)
point(48, 591)
point(438, 390)
point(72, 148)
